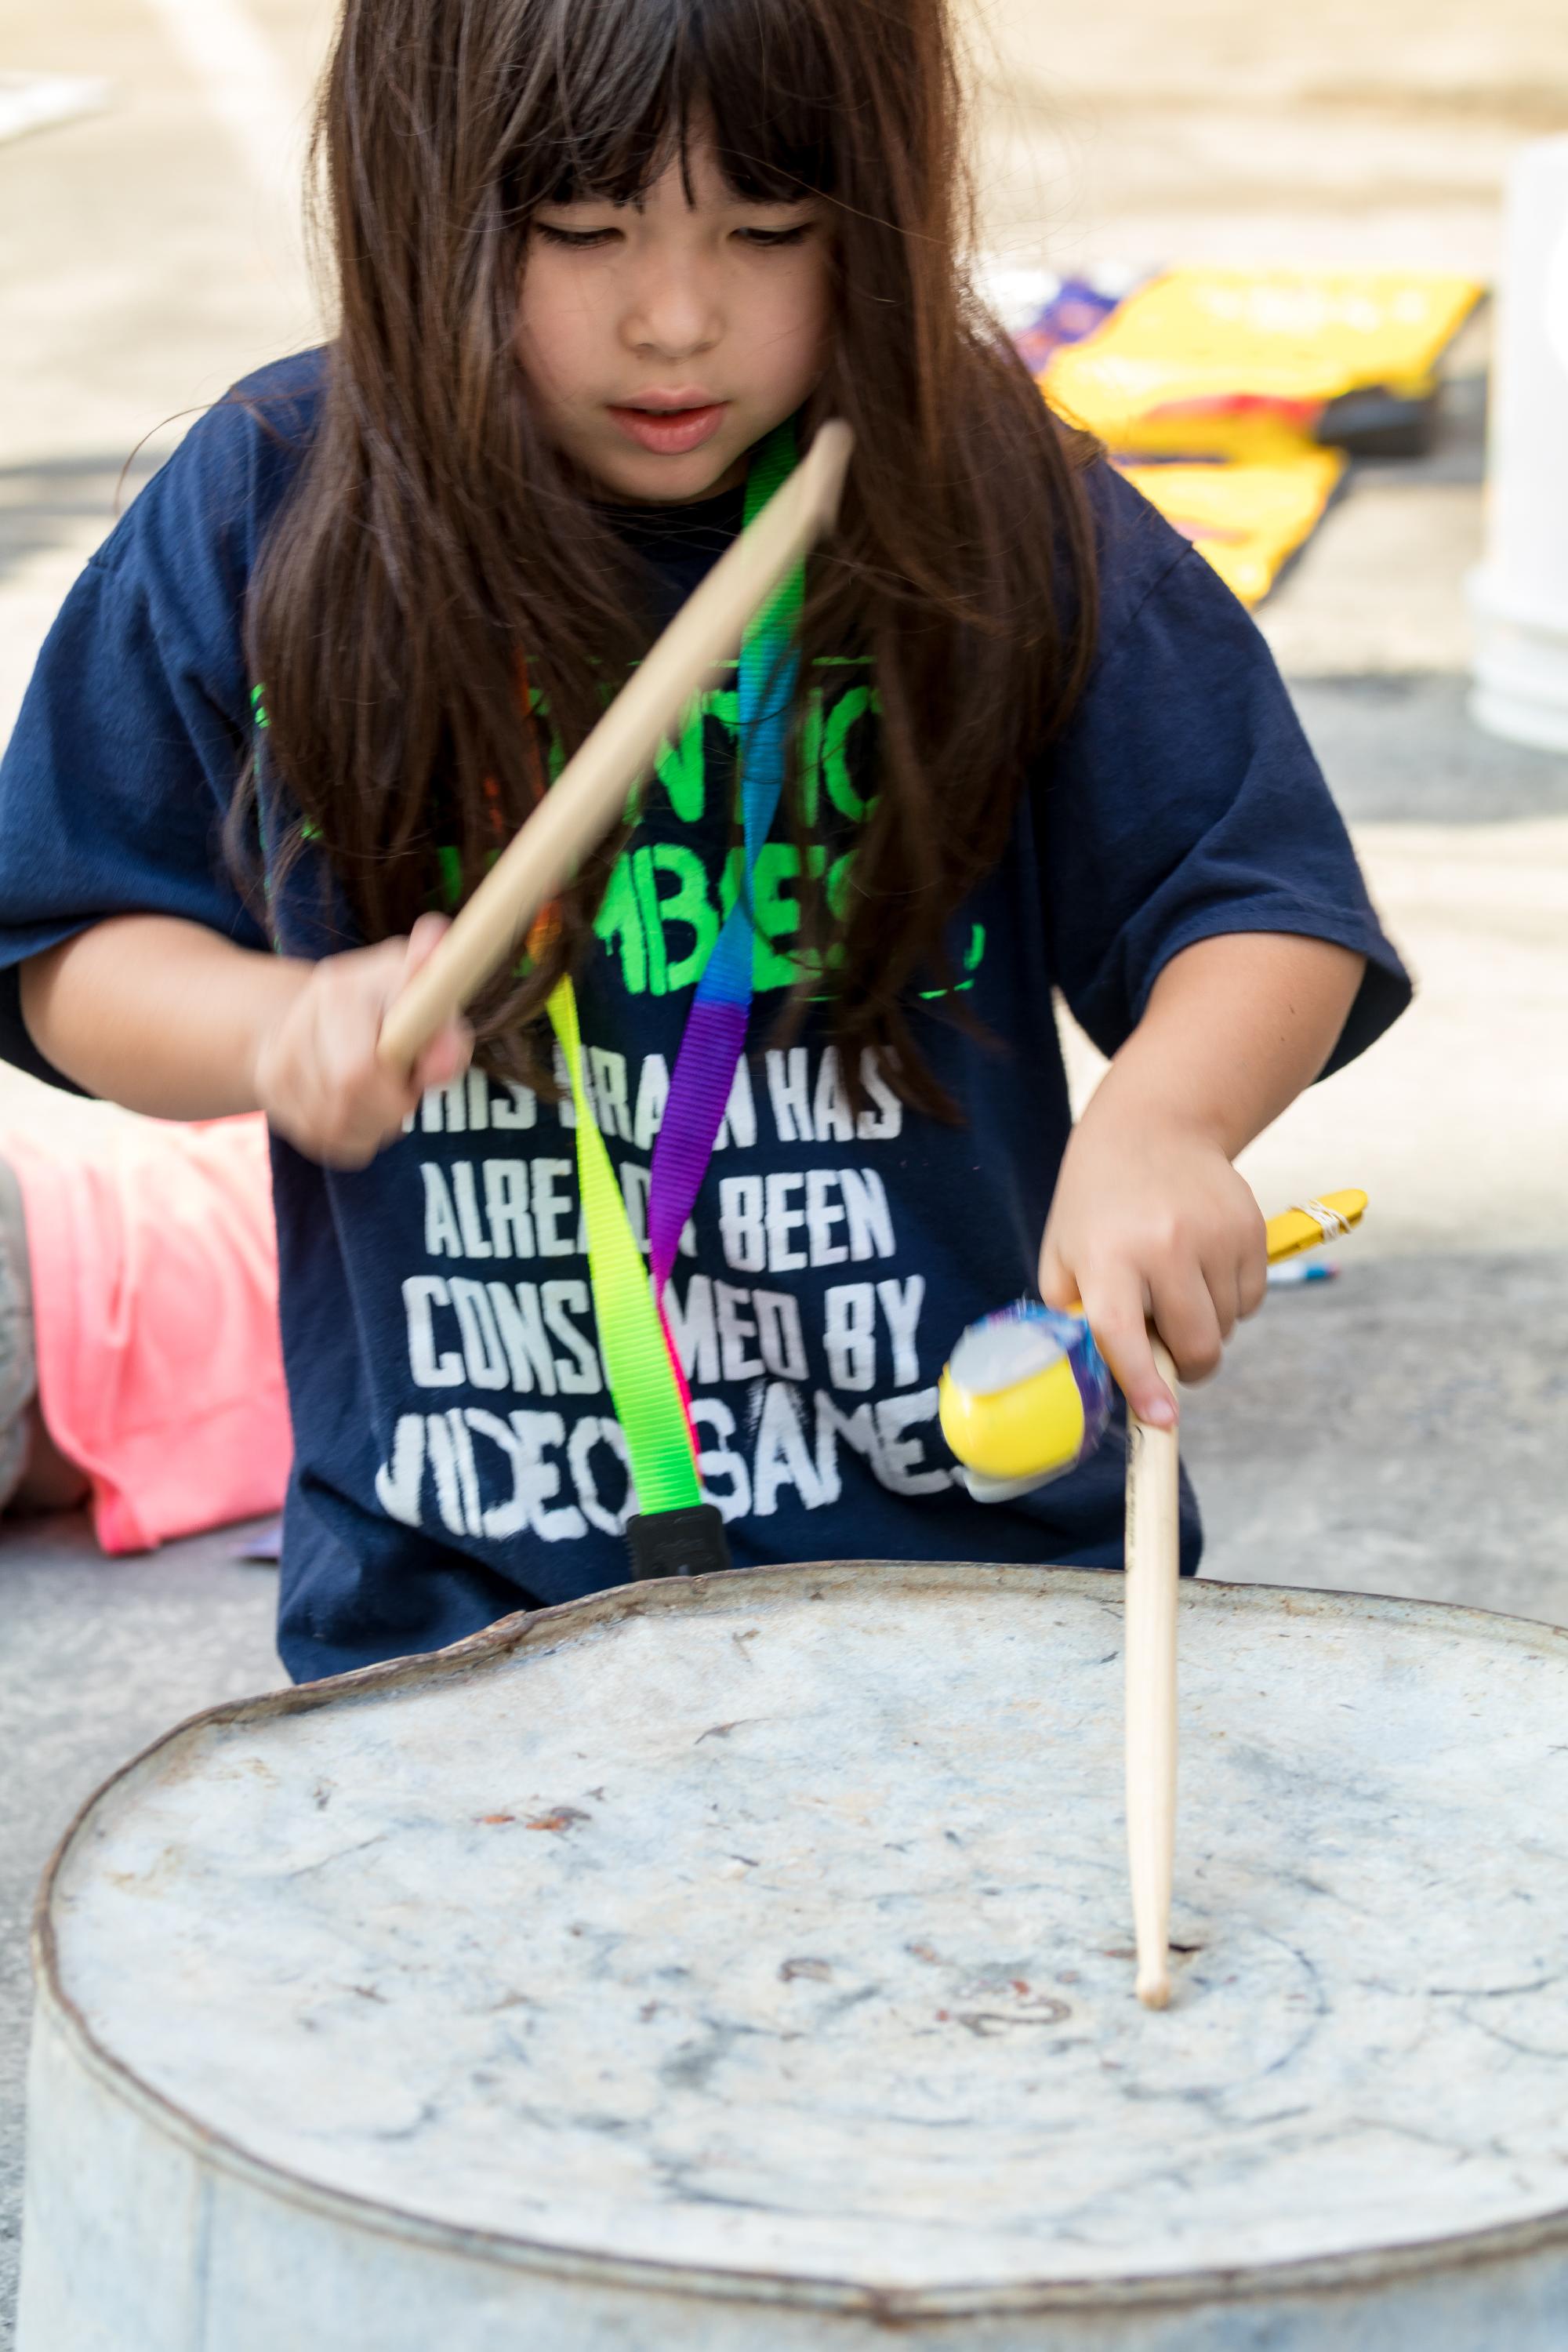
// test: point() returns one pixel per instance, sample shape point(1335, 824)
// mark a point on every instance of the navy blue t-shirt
point(456, 1452)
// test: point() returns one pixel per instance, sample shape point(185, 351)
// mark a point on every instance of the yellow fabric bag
point(1246, 518)
point(1235, 362)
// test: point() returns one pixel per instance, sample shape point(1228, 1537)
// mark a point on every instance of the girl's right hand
point(318, 1076)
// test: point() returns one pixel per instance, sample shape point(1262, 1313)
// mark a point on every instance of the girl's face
point(661, 337)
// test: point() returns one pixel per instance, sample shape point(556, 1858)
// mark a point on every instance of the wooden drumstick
point(590, 794)
point(1153, 1565)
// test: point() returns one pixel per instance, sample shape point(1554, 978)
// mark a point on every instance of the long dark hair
point(433, 536)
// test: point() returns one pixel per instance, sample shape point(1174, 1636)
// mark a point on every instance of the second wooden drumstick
point(1152, 1567)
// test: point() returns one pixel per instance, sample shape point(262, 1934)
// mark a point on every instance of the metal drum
point(746, 1963)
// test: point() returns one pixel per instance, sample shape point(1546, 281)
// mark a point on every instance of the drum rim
point(1319, 2273)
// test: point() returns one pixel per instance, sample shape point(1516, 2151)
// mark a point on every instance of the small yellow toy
point(1026, 1394)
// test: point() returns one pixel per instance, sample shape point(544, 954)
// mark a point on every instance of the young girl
point(600, 270)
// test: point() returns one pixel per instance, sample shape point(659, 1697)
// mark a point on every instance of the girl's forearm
point(1150, 1222)
point(1235, 1028)
point(161, 1015)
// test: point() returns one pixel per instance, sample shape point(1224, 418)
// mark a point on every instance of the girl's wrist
point(1137, 1102)
point(158, 1013)
point(264, 1015)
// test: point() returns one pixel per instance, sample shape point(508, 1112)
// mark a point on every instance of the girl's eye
point(583, 240)
point(575, 240)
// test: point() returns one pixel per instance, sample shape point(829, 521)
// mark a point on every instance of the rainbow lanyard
point(675, 1532)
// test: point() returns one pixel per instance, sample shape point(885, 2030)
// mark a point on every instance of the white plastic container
point(1519, 595)
point(744, 1965)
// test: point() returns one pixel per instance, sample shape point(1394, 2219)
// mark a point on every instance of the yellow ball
point(1024, 1399)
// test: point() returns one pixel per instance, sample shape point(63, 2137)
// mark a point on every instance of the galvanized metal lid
point(775, 1926)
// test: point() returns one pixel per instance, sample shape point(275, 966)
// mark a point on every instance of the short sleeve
point(1184, 801)
point(133, 736)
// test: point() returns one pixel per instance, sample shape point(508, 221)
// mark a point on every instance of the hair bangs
point(773, 85)
point(630, 87)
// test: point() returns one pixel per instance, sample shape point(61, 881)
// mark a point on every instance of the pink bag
point(155, 1302)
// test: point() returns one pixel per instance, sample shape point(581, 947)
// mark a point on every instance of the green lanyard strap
point(673, 1531)
point(648, 1405)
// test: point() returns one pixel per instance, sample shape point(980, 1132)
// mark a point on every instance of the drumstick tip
point(831, 447)
point(1153, 1988)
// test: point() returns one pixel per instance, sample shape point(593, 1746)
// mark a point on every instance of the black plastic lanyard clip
point(689, 1542)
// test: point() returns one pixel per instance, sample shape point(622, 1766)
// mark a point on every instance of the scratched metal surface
point(779, 1924)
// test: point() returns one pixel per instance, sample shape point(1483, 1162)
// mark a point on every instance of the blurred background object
point(1520, 598)
point(32, 101)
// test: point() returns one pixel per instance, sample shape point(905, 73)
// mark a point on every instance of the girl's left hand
point(1150, 1222)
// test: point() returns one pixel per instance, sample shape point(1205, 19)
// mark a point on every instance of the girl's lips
point(671, 432)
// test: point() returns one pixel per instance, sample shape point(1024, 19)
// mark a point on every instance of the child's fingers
point(450, 1052)
point(1118, 1315)
point(361, 1104)
point(344, 1101)
point(320, 1076)
point(1187, 1319)
point(1237, 1279)
point(1252, 1282)
point(1223, 1279)
point(1058, 1286)
point(451, 1049)
point(447, 1055)
point(423, 941)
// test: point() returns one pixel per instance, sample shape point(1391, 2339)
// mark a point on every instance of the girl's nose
point(674, 315)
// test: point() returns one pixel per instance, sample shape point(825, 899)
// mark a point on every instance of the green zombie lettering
point(825, 752)
point(835, 770)
point(776, 912)
point(811, 757)
point(973, 955)
point(646, 885)
point(658, 918)
point(619, 924)
point(837, 907)
point(686, 907)
point(686, 904)
point(682, 767)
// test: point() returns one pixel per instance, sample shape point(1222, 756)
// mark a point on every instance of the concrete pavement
point(97, 1658)
point(1227, 130)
